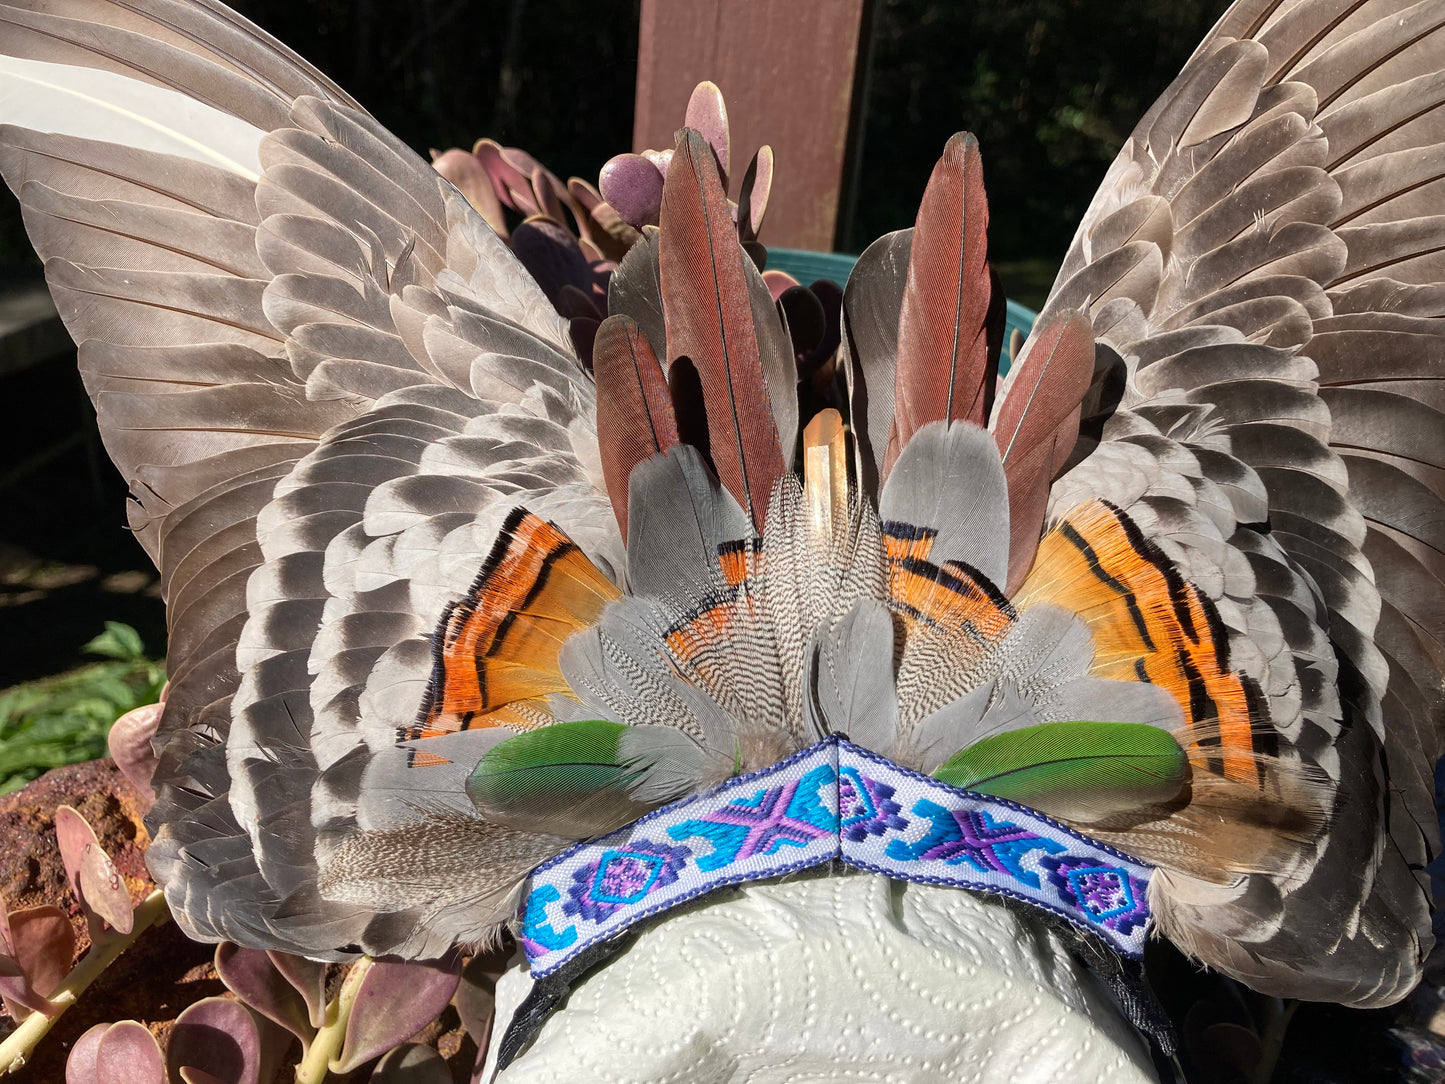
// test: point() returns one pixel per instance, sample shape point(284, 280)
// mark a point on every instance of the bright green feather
point(1077, 770)
point(560, 765)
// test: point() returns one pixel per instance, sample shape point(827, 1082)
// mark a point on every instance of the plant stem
point(19, 1043)
point(326, 1047)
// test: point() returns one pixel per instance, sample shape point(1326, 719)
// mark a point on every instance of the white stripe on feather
point(69, 100)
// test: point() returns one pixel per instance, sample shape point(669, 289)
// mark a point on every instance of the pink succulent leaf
point(632, 186)
point(477, 997)
point(590, 252)
point(103, 890)
point(412, 1064)
point(44, 949)
point(130, 747)
point(80, 1067)
point(252, 977)
point(551, 255)
point(753, 196)
point(549, 193)
point(584, 193)
point(309, 979)
point(192, 1075)
point(661, 159)
point(72, 834)
point(708, 114)
point(463, 169)
point(219, 1037)
point(394, 1002)
point(520, 160)
point(779, 282)
point(512, 185)
point(128, 1054)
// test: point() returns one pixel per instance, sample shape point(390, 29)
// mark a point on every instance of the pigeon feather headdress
point(445, 605)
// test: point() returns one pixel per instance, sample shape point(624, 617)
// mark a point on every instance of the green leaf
point(118, 641)
point(65, 719)
point(1081, 770)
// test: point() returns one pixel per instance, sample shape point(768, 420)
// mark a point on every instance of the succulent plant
point(37, 979)
point(279, 999)
point(573, 263)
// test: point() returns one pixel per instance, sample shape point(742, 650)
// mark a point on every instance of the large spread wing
point(1263, 269)
point(327, 383)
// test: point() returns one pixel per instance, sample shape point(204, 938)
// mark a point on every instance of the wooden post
point(787, 69)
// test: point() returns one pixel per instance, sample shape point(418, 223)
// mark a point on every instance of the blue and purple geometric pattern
point(832, 800)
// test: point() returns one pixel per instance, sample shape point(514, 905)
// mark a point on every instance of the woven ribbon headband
point(833, 800)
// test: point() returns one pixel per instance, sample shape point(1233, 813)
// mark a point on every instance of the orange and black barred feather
point(496, 649)
point(1149, 624)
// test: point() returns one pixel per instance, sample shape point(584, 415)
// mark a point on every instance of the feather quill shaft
point(635, 419)
point(94, 104)
point(944, 349)
point(709, 320)
point(1036, 425)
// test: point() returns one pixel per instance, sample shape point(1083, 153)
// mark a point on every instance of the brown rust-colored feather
point(709, 319)
point(1036, 425)
point(945, 348)
point(635, 420)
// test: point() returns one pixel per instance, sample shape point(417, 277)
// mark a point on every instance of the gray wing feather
point(1296, 271)
point(272, 362)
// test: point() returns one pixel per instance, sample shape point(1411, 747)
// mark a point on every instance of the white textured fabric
point(835, 976)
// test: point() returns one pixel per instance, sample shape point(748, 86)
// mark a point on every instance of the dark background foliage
point(1051, 88)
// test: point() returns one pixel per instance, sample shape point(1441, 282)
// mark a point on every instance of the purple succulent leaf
point(15, 991)
point(44, 949)
point(632, 186)
point(464, 171)
point(276, 1043)
point(804, 317)
point(103, 890)
point(412, 1064)
point(128, 1054)
point(583, 333)
point(130, 748)
point(830, 296)
point(80, 1067)
point(477, 997)
point(395, 1001)
point(708, 114)
point(217, 1036)
point(251, 975)
point(574, 304)
point(309, 978)
point(551, 255)
point(753, 197)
